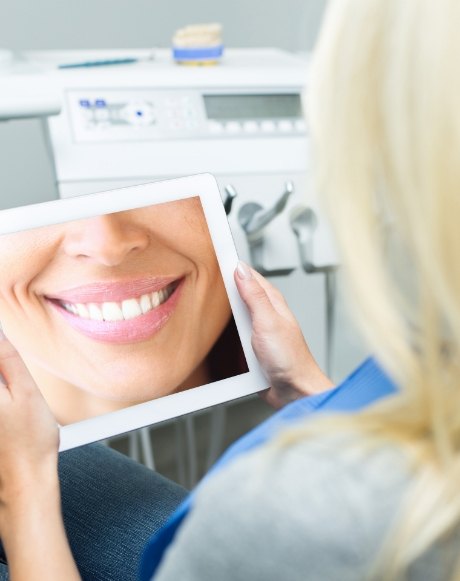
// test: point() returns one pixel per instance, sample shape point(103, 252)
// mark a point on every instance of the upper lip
point(112, 291)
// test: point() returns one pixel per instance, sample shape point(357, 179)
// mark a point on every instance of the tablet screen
point(113, 310)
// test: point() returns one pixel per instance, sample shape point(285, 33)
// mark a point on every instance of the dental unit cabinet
point(241, 121)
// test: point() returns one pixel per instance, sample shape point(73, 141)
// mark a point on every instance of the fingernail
point(243, 271)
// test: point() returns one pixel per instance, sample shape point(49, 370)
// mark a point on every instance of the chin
point(131, 395)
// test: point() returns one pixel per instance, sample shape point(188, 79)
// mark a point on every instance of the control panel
point(145, 114)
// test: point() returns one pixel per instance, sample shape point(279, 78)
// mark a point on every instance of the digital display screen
point(124, 328)
point(223, 107)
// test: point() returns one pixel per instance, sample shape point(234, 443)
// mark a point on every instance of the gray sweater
point(317, 510)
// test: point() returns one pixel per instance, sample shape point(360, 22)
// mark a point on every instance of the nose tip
point(107, 240)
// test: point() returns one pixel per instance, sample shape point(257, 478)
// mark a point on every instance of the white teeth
point(145, 303)
point(95, 312)
point(82, 311)
point(112, 312)
point(70, 307)
point(131, 309)
point(155, 299)
point(128, 309)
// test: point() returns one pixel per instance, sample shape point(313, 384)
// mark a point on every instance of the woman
point(88, 302)
point(375, 494)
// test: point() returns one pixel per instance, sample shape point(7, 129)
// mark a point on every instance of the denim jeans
point(111, 506)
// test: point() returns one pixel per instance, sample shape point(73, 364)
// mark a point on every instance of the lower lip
point(123, 332)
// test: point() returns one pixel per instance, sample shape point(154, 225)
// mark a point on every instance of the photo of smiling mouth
point(125, 315)
point(121, 311)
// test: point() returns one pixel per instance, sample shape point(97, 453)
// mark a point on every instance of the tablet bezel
point(168, 407)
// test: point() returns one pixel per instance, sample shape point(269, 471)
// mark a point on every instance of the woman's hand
point(31, 524)
point(278, 342)
point(29, 435)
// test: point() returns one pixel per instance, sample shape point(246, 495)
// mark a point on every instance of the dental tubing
point(198, 44)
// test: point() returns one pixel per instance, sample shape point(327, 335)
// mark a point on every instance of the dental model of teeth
point(198, 44)
point(121, 311)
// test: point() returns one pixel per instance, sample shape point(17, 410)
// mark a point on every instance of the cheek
point(23, 262)
point(215, 304)
point(15, 279)
point(24, 256)
point(209, 277)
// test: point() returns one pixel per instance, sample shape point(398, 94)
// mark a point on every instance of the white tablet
point(124, 307)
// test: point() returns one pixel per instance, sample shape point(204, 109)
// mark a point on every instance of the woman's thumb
point(252, 293)
point(13, 372)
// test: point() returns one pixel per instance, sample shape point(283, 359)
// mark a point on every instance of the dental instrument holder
point(253, 218)
point(230, 195)
point(304, 223)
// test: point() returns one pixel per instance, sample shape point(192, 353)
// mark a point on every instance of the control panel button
point(268, 126)
point(233, 127)
point(250, 126)
point(101, 114)
point(115, 115)
point(285, 126)
point(87, 114)
point(177, 125)
point(215, 127)
point(138, 113)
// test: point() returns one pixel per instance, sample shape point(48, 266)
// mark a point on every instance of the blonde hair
point(384, 111)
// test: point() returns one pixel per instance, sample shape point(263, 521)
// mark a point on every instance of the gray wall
point(26, 175)
point(25, 169)
point(46, 24)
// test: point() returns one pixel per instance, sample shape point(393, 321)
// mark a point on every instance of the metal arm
point(253, 218)
point(230, 195)
point(304, 223)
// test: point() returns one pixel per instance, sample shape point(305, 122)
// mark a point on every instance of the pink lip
point(102, 292)
point(120, 332)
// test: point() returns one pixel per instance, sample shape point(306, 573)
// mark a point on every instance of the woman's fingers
point(12, 368)
point(255, 290)
point(276, 297)
point(253, 294)
point(278, 341)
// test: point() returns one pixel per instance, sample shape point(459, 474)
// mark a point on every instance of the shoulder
point(316, 509)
